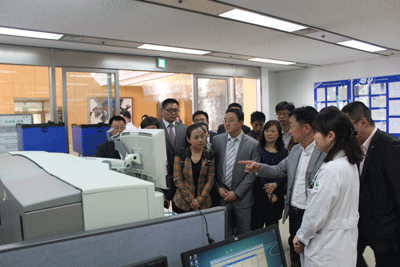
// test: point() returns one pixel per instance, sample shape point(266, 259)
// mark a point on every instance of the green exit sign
point(161, 62)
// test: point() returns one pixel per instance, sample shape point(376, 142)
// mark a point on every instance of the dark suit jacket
point(212, 134)
point(221, 129)
point(107, 150)
point(380, 193)
point(183, 179)
point(180, 141)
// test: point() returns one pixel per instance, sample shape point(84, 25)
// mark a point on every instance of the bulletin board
point(334, 93)
point(8, 130)
point(382, 96)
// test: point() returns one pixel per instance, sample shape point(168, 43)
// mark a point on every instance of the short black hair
point(235, 105)
point(239, 113)
point(116, 118)
point(204, 124)
point(169, 101)
point(126, 113)
point(149, 121)
point(304, 115)
point(358, 110)
point(284, 106)
point(200, 112)
point(257, 116)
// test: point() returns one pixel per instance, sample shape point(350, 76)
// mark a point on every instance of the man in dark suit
point(202, 116)
point(257, 121)
point(175, 134)
point(299, 167)
point(107, 149)
point(379, 205)
point(235, 187)
point(221, 127)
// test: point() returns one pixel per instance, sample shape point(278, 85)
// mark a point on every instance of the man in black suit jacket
point(221, 127)
point(379, 205)
point(107, 149)
point(202, 116)
point(170, 111)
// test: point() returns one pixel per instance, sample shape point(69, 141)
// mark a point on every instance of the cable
point(210, 239)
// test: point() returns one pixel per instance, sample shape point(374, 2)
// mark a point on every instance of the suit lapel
point(370, 151)
point(296, 158)
point(311, 164)
point(223, 152)
point(242, 145)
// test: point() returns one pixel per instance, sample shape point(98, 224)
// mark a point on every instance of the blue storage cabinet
point(86, 137)
point(50, 137)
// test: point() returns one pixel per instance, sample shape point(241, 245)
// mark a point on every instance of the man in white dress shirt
point(128, 119)
point(300, 167)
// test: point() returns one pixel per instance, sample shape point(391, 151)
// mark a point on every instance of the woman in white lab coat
point(328, 233)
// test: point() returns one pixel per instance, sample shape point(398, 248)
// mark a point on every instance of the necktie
point(171, 134)
point(230, 161)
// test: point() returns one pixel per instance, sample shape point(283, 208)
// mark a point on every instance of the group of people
point(334, 174)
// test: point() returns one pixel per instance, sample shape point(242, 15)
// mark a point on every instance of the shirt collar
point(167, 123)
point(368, 141)
point(239, 137)
point(308, 150)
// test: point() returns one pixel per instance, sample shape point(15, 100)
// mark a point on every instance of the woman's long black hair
point(332, 119)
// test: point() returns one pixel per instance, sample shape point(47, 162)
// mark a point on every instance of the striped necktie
point(171, 134)
point(230, 161)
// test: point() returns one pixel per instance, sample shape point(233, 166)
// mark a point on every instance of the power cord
point(210, 239)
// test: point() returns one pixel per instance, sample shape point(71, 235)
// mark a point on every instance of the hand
point(298, 247)
point(269, 188)
point(273, 199)
point(222, 192)
point(230, 196)
point(195, 205)
point(251, 166)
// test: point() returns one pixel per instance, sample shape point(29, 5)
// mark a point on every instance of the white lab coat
point(329, 228)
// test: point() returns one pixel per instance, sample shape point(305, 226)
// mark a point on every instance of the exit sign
point(161, 62)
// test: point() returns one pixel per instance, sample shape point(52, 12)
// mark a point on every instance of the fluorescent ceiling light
point(272, 61)
point(173, 49)
point(362, 46)
point(32, 34)
point(262, 20)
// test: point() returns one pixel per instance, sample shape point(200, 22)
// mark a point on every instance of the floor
point(284, 231)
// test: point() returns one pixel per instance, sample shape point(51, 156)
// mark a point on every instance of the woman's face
point(323, 143)
point(198, 138)
point(271, 134)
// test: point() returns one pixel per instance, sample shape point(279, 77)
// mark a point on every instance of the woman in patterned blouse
point(194, 169)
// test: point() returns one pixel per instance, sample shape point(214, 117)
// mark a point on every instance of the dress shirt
point(286, 139)
point(130, 126)
point(167, 126)
point(239, 138)
point(365, 146)
point(299, 197)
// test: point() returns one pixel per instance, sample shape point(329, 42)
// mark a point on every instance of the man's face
point(257, 126)
point(360, 127)
point(200, 118)
point(297, 130)
point(118, 126)
point(170, 112)
point(232, 124)
point(283, 117)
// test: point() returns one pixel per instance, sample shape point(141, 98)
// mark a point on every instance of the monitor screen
point(160, 261)
point(260, 248)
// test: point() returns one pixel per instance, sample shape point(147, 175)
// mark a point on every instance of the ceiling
point(119, 26)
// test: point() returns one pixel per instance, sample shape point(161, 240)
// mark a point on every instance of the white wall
point(297, 86)
point(269, 93)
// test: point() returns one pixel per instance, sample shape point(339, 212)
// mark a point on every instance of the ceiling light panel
point(31, 34)
point(361, 46)
point(173, 49)
point(272, 61)
point(261, 20)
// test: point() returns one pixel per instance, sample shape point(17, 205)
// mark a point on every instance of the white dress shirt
point(239, 138)
point(286, 139)
point(130, 126)
point(299, 197)
point(167, 126)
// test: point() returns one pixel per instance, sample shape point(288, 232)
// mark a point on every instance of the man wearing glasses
point(175, 133)
point(282, 113)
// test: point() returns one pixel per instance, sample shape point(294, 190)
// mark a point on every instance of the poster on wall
point(333, 93)
point(382, 96)
point(98, 108)
point(8, 130)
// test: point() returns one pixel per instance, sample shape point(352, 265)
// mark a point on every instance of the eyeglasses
point(172, 110)
point(229, 121)
point(282, 114)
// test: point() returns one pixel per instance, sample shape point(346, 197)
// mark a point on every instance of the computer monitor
point(260, 248)
point(146, 151)
point(160, 261)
